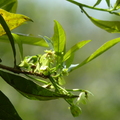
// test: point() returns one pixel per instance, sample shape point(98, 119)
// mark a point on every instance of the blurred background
point(101, 76)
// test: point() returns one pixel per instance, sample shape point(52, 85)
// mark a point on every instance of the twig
point(18, 71)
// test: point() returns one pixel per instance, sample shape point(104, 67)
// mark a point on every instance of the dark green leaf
point(75, 110)
point(108, 2)
point(29, 89)
point(7, 30)
point(97, 3)
point(74, 49)
point(59, 38)
point(9, 5)
point(7, 110)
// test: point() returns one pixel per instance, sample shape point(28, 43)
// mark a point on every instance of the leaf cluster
point(41, 77)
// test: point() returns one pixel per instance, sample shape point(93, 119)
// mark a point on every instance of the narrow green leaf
point(99, 51)
point(26, 39)
point(59, 38)
point(49, 42)
point(108, 2)
point(97, 3)
point(7, 30)
point(74, 49)
point(7, 110)
point(109, 26)
point(29, 89)
point(117, 5)
point(9, 5)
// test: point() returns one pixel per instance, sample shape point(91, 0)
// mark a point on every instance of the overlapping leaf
point(9, 5)
point(98, 52)
point(12, 20)
point(7, 110)
point(29, 89)
point(74, 49)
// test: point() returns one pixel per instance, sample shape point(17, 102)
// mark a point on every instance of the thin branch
point(18, 71)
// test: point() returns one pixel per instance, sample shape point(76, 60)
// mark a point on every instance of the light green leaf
point(59, 38)
point(13, 20)
point(99, 51)
point(117, 5)
point(7, 110)
point(109, 26)
point(9, 5)
point(74, 49)
point(97, 3)
point(26, 39)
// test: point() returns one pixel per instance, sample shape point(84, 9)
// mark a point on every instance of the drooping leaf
point(7, 110)
point(109, 26)
point(117, 5)
point(29, 89)
point(59, 38)
point(75, 110)
point(13, 20)
point(9, 5)
point(98, 52)
point(74, 49)
point(97, 3)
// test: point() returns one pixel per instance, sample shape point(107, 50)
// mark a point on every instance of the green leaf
point(97, 3)
point(9, 5)
point(7, 30)
point(49, 42)
point(7, 110)
point(117, 5)
point(109, 26)
point(13, 20)
point(59, 38)
point(99, 51)
point(74, 49)
point(75, 110)
point(29, 89)
point(108, 2)
point(26, 39)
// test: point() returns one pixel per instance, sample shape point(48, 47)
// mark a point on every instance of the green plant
point(51, 66)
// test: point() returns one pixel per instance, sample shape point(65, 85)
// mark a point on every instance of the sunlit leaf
point(109, 26)
point(9, 5)
point(117, 4)
point(7, 110)
point(74, 49)
point(99, 51)
point(59, 38)
point(26, 39)
point(29, 89)
point(97, 3)
point(13, 20)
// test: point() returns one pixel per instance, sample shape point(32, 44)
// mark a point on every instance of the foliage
point(44, 74)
